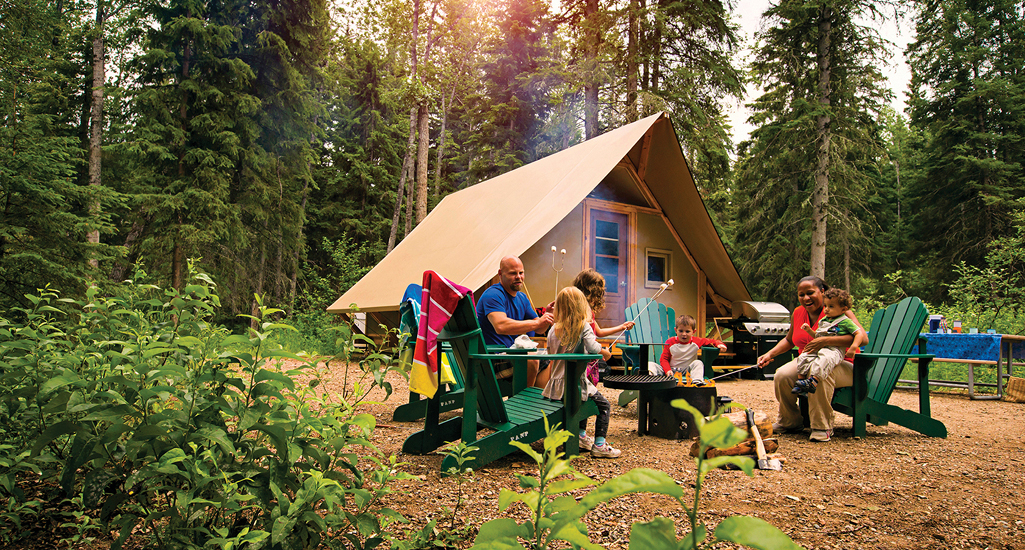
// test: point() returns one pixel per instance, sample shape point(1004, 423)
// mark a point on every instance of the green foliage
point(556, 514)
point(157, 425)
point(993, 295)
point(44, 219)
point(454, 535)
point(967, 97)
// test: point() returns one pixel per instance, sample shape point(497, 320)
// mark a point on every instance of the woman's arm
point(860, 337)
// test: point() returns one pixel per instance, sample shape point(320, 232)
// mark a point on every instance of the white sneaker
point(586, 442)
point(821, 436)
point(605, 451)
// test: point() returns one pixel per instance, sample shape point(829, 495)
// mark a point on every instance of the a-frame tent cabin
point(623, 203)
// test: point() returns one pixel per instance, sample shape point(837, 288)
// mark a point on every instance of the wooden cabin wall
point(652, 232)
point(537, 260)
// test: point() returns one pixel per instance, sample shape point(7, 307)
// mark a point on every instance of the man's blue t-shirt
point(495, 298)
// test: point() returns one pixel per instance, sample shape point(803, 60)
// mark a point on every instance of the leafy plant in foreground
point(556, 515)
point(161, 426)
point(432, 536)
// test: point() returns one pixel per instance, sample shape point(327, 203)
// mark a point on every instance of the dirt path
point(894, 489)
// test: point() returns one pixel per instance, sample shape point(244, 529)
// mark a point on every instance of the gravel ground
point(894, 489)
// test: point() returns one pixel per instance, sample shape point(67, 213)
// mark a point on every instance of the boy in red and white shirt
point(682, 353)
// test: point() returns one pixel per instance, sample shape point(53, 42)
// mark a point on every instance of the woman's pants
point(819, 403)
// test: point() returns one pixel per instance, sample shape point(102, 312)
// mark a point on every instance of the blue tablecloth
point(981, 347)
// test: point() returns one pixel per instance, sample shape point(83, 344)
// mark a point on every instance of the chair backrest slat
point(894, 329)
point(463, 333)
point(655, 324)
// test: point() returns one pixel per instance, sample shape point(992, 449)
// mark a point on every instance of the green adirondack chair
point(519, 417)
point(416, 408)
point(655, 324)
point(893, 333)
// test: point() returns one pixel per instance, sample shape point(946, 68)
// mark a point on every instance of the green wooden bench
point(894, 331)
point(520, 417)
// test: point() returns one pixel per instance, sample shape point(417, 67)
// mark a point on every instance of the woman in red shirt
point(809, 296)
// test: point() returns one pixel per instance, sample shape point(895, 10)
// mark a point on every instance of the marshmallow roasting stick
point(559, 270)
point(661, 288)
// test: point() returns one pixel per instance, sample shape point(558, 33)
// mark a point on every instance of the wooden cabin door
point(609, 246)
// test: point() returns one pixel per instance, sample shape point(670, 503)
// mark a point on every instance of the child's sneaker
point(586, 442)
point(803, 387)
point(605, 451)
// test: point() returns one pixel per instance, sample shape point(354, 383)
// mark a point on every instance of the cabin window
point(657, 270)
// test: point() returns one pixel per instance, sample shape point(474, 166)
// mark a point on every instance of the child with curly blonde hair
point(571, 332)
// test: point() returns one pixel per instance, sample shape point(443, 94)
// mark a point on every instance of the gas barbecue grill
point(757, 327)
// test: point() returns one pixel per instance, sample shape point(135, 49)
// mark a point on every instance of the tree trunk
point(820, 194)
point(441, 140)
point(591, 69)
point(847, 264)
point(631, 61)
point(96, 129)
point(643, 43)
point(178, 254)
point(656, 50)
point(117, 274)
point(294, 281)
point(177, 261)
point(423, 152)
point(261, 268)
point(401, 191)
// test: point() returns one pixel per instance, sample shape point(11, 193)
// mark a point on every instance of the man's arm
point(511, 327)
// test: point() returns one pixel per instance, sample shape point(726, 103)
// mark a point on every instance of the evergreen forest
point(285, 146)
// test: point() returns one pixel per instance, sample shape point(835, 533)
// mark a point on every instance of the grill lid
point(763, 312)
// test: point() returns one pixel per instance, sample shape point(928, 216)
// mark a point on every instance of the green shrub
point(154, 423)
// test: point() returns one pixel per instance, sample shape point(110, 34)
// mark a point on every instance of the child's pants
point(601, 422)
point(696, 368)
point(819, 365)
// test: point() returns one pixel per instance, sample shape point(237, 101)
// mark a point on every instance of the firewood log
point(739, 420)
point(746, 447)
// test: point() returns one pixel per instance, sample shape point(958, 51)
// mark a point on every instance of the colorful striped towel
point(437, 304)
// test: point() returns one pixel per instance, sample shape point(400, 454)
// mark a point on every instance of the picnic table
point(975, 350)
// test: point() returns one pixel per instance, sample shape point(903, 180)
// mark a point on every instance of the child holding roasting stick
point(682, 353)
point(592, 284)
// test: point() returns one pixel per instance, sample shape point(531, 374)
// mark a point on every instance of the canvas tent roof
point(469, 231)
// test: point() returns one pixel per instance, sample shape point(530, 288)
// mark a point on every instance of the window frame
point(667, 256)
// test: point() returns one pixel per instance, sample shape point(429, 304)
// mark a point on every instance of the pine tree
point(45, 214)
point(968, 97)
point(227, 113)
point(810, 157)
